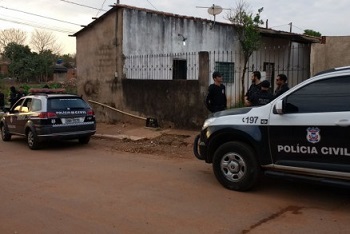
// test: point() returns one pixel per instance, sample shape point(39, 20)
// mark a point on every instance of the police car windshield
point(66, 103)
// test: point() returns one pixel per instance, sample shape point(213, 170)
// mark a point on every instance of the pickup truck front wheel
point(235, 166)
point(5, 135)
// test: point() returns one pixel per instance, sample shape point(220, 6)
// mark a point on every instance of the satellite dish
point(214, 10)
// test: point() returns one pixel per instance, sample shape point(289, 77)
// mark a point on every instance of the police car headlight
point(208, 122)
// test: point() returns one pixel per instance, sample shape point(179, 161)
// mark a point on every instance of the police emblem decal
point(313, 135)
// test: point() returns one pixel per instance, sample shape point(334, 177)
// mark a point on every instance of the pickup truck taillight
point(47, 115)
point(90, 112)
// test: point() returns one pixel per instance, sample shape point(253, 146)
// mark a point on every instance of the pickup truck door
point(23, 115)
point(314, 130)
point(12, 117)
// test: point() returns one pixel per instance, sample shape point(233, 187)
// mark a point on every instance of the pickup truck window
point(330, 95)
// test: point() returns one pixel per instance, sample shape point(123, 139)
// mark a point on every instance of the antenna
point(213, 10)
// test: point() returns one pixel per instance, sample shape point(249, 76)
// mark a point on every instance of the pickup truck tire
point(5, 135)
point(32, 140)
point(235, 166)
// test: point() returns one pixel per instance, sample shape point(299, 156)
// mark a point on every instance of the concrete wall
point(97, 61)
point(334, 52)
point(176, 103)
point(148, 33)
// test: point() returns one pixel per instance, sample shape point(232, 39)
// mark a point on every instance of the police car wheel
point(5, 135)
point(32, 140)
point(235, 166)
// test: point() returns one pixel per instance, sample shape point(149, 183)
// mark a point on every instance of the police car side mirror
point(279, 107)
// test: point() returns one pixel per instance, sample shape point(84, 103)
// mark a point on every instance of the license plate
point(72, 120)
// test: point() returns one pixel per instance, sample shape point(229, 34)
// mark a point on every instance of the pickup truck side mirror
point(283, 107)
point(279, 107)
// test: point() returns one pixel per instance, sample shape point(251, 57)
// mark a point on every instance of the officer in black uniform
point(263, 96)
point(216, 98)
point(253, 89)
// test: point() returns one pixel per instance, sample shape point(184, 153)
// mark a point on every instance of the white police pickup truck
point(303, 134)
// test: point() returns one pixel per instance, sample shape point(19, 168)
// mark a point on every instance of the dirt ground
point(166, 145)
point(169, 143)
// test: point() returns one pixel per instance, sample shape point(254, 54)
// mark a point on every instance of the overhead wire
point(152, 5)
point(82, 5)
point(100, 8)
point(37, 26)
point(46, 17)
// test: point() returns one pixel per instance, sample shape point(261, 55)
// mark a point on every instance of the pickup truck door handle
point(343, 123)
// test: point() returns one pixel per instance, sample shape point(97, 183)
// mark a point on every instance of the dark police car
point(303, 134)
point(48, 114)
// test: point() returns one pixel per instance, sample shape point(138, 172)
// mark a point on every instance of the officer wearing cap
point(216, 98)
point(263, 96)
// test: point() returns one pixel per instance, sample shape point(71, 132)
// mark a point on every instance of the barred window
point(227, 71)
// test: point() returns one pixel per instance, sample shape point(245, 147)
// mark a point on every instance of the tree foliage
point(28, 66)
point(311, 32)
point(247, 27)
point(12, 35)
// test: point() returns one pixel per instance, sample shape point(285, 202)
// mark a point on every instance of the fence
point(292, 59)
point(162, 66)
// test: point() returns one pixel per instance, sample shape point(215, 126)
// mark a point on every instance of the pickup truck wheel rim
point(233, 166)
point(30, 138)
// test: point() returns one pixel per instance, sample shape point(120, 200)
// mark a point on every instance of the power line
point(152, 5)
point(100, 8)
point(293, 26)
point(298, 27)
point(46, 17)
point(279, 25)
point(36, 26)
point(82, 5)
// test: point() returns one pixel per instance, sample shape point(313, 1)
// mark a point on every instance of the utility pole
point(290, 27)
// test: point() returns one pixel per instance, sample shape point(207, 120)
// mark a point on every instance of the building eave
point(266, 32)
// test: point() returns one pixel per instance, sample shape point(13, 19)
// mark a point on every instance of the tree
point(311, 32)
point(19, 56)
point(247, 27)
point(12, 35)
point(45, 61)
point(43, 40)
point(29, 66)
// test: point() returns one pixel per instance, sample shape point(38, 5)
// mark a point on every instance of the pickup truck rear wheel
point(235, 166)
point(32, 140)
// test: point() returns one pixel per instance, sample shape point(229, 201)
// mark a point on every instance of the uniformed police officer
point(263, 96)
point(216, 98)
point(282, 85)
point(253, 88)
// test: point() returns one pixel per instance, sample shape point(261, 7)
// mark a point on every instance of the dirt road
point(70, 188)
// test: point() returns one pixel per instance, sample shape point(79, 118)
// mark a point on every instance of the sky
point(66, 17)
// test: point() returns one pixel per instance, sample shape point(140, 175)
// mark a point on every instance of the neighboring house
point(333, 51)
point(59, 73)
point(159, 64)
